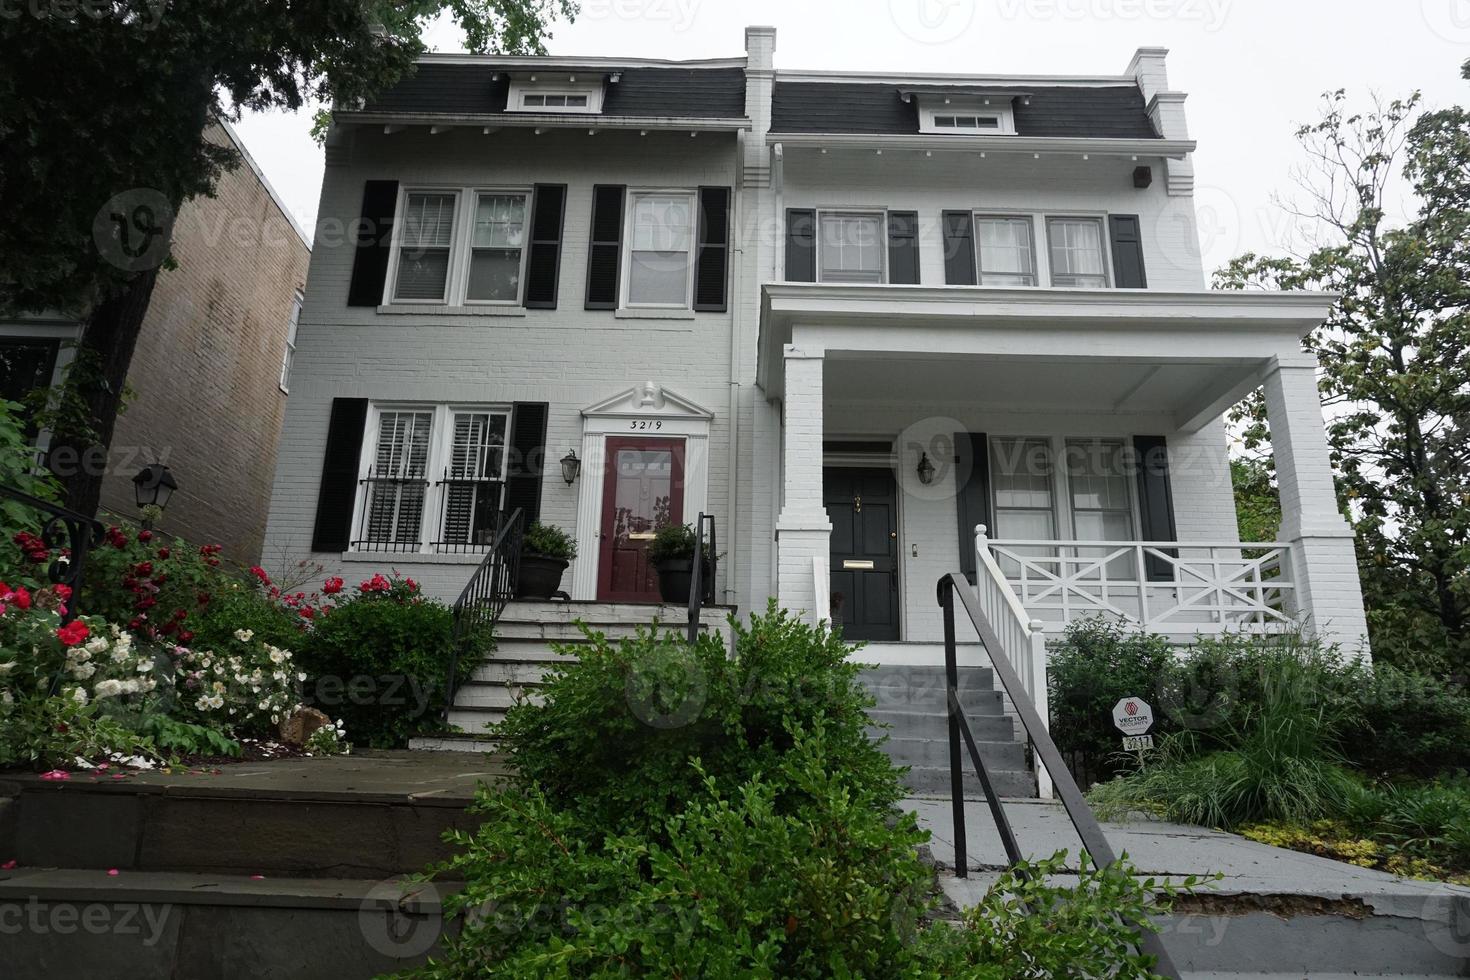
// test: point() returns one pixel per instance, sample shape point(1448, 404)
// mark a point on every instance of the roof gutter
point(1075, 145)
point(542, 120)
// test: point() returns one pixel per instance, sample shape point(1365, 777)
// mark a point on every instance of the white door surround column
point(1328, 595)
point(803, 532)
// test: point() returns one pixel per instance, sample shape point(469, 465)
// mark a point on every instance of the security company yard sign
point(1134, 718)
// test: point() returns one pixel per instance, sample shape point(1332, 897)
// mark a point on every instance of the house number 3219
point(641, 424)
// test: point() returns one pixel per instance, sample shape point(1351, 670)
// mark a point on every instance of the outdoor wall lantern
point(926, 469)
point(153, 486)
point(570, 467)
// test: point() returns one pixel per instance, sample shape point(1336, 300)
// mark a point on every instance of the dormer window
point(969, 116)
point(555, 94)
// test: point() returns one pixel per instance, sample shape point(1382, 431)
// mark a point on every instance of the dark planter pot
point(675, 578)
point(540, 576)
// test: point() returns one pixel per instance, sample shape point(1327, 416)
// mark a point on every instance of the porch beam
point(1215, 401)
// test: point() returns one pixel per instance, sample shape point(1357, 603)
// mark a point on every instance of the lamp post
point(152, 487)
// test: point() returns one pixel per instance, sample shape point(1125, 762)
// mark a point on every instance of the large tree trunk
point(106, 351)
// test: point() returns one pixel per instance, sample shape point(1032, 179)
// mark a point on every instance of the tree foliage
point(105, 107)
point(1395, 356)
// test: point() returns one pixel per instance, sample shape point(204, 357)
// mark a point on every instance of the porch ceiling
point(1189, 355)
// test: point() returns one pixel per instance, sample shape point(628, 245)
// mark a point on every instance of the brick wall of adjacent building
point(205, 375)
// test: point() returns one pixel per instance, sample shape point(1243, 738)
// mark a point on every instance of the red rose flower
point(332, 585)
point(163, 554)
point(63, 592)
point(143, 569)
point(74, 633)
point(145, 535)
point(21, 598)
point(259, 573)
point(185, 636)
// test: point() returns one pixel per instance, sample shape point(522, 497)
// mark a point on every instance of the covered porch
point(1078, 431)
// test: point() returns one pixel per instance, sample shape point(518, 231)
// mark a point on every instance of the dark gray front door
point(862, 505)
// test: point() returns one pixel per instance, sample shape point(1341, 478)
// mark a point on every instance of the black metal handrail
point(700, 590)
point(64, 531)
point(1047, 754)
point(484, 598)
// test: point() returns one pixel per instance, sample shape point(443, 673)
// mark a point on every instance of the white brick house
point(851, 315)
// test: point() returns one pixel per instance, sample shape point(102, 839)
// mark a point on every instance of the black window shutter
point(340, 463)
point(1127, 251)
point(972, 497)
point(1155, 502)
point(801, 245)
point(604, 254)
point(374, 243)
point(527, 460)
point(544, 269)
point(712, 269)
point(959, 248)
point(903, 247)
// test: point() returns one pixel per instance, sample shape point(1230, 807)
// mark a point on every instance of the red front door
point(643, 490)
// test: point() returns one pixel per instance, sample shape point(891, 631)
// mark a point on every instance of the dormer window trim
point(561, 94)
point(967, 116)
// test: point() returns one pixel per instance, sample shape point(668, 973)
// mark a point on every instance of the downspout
point(733, 407)
point(774, 274)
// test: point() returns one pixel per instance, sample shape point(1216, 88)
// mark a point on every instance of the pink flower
point(74, 633)
point(10, 865)
point(56, 776)
point(112, 872)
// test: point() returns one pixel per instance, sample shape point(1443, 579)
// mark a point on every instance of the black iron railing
point(469, 512)
point(479, 606)
point(702, 585)
point(1046, 752)
point(392, 511)
point(71, 535)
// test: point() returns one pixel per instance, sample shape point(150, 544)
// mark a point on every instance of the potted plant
point(546, 551)
point(671, 552)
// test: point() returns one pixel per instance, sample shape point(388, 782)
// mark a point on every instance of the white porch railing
point(1204, 587)
point(1022, 638)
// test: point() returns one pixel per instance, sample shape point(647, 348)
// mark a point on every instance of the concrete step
point(516, 672)
point(475, 721)
point(991, 727)
point(474, 694)
point(976, 701)
point(349, 817)
point(475, 742)
point(934, 753)
point(86, 923)
point(935, 781)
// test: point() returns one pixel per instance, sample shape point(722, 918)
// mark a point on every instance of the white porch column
point(1328, 593)
point(803, 531)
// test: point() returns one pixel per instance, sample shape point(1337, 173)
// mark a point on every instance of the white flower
point(301, 676)
point(244, 635)
point(96, 644)
point(6, 698)
point(79, 695)
point(6, 668)
point(144, 667)
point(83, 671)
point(108, 688)
point(277, 655)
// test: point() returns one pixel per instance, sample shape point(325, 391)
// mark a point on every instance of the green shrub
point(236, 605)
point(548, 541)
point(378, 662)
point(1392, 721)
point(1094, 666)
point(673, 542)
point(617, 728)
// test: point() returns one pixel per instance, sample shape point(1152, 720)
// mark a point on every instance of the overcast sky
point(1253, 69)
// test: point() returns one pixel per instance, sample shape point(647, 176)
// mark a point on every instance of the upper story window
point(967, 116)
point(1077, 255)
point(290, 353)
point(566, 93)
point(425, 240)
point(660, 266)
point(850, 247)
point(461, 247)
point(1005, 250)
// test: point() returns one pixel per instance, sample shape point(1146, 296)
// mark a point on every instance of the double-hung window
point(850, 247)
point(1077, 257)
point(660, 267)
point(1102, 505)
point(1005, 251)
point(497, 248)
point(424, 246)
point(434, 478)
point(290, 353)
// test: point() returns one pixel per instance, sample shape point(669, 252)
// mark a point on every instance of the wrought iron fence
point(480, 605)
point(71, 535)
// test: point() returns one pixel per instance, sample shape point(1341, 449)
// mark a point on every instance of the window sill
point(397, 558)
point(430, 310)
point(653, 314)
